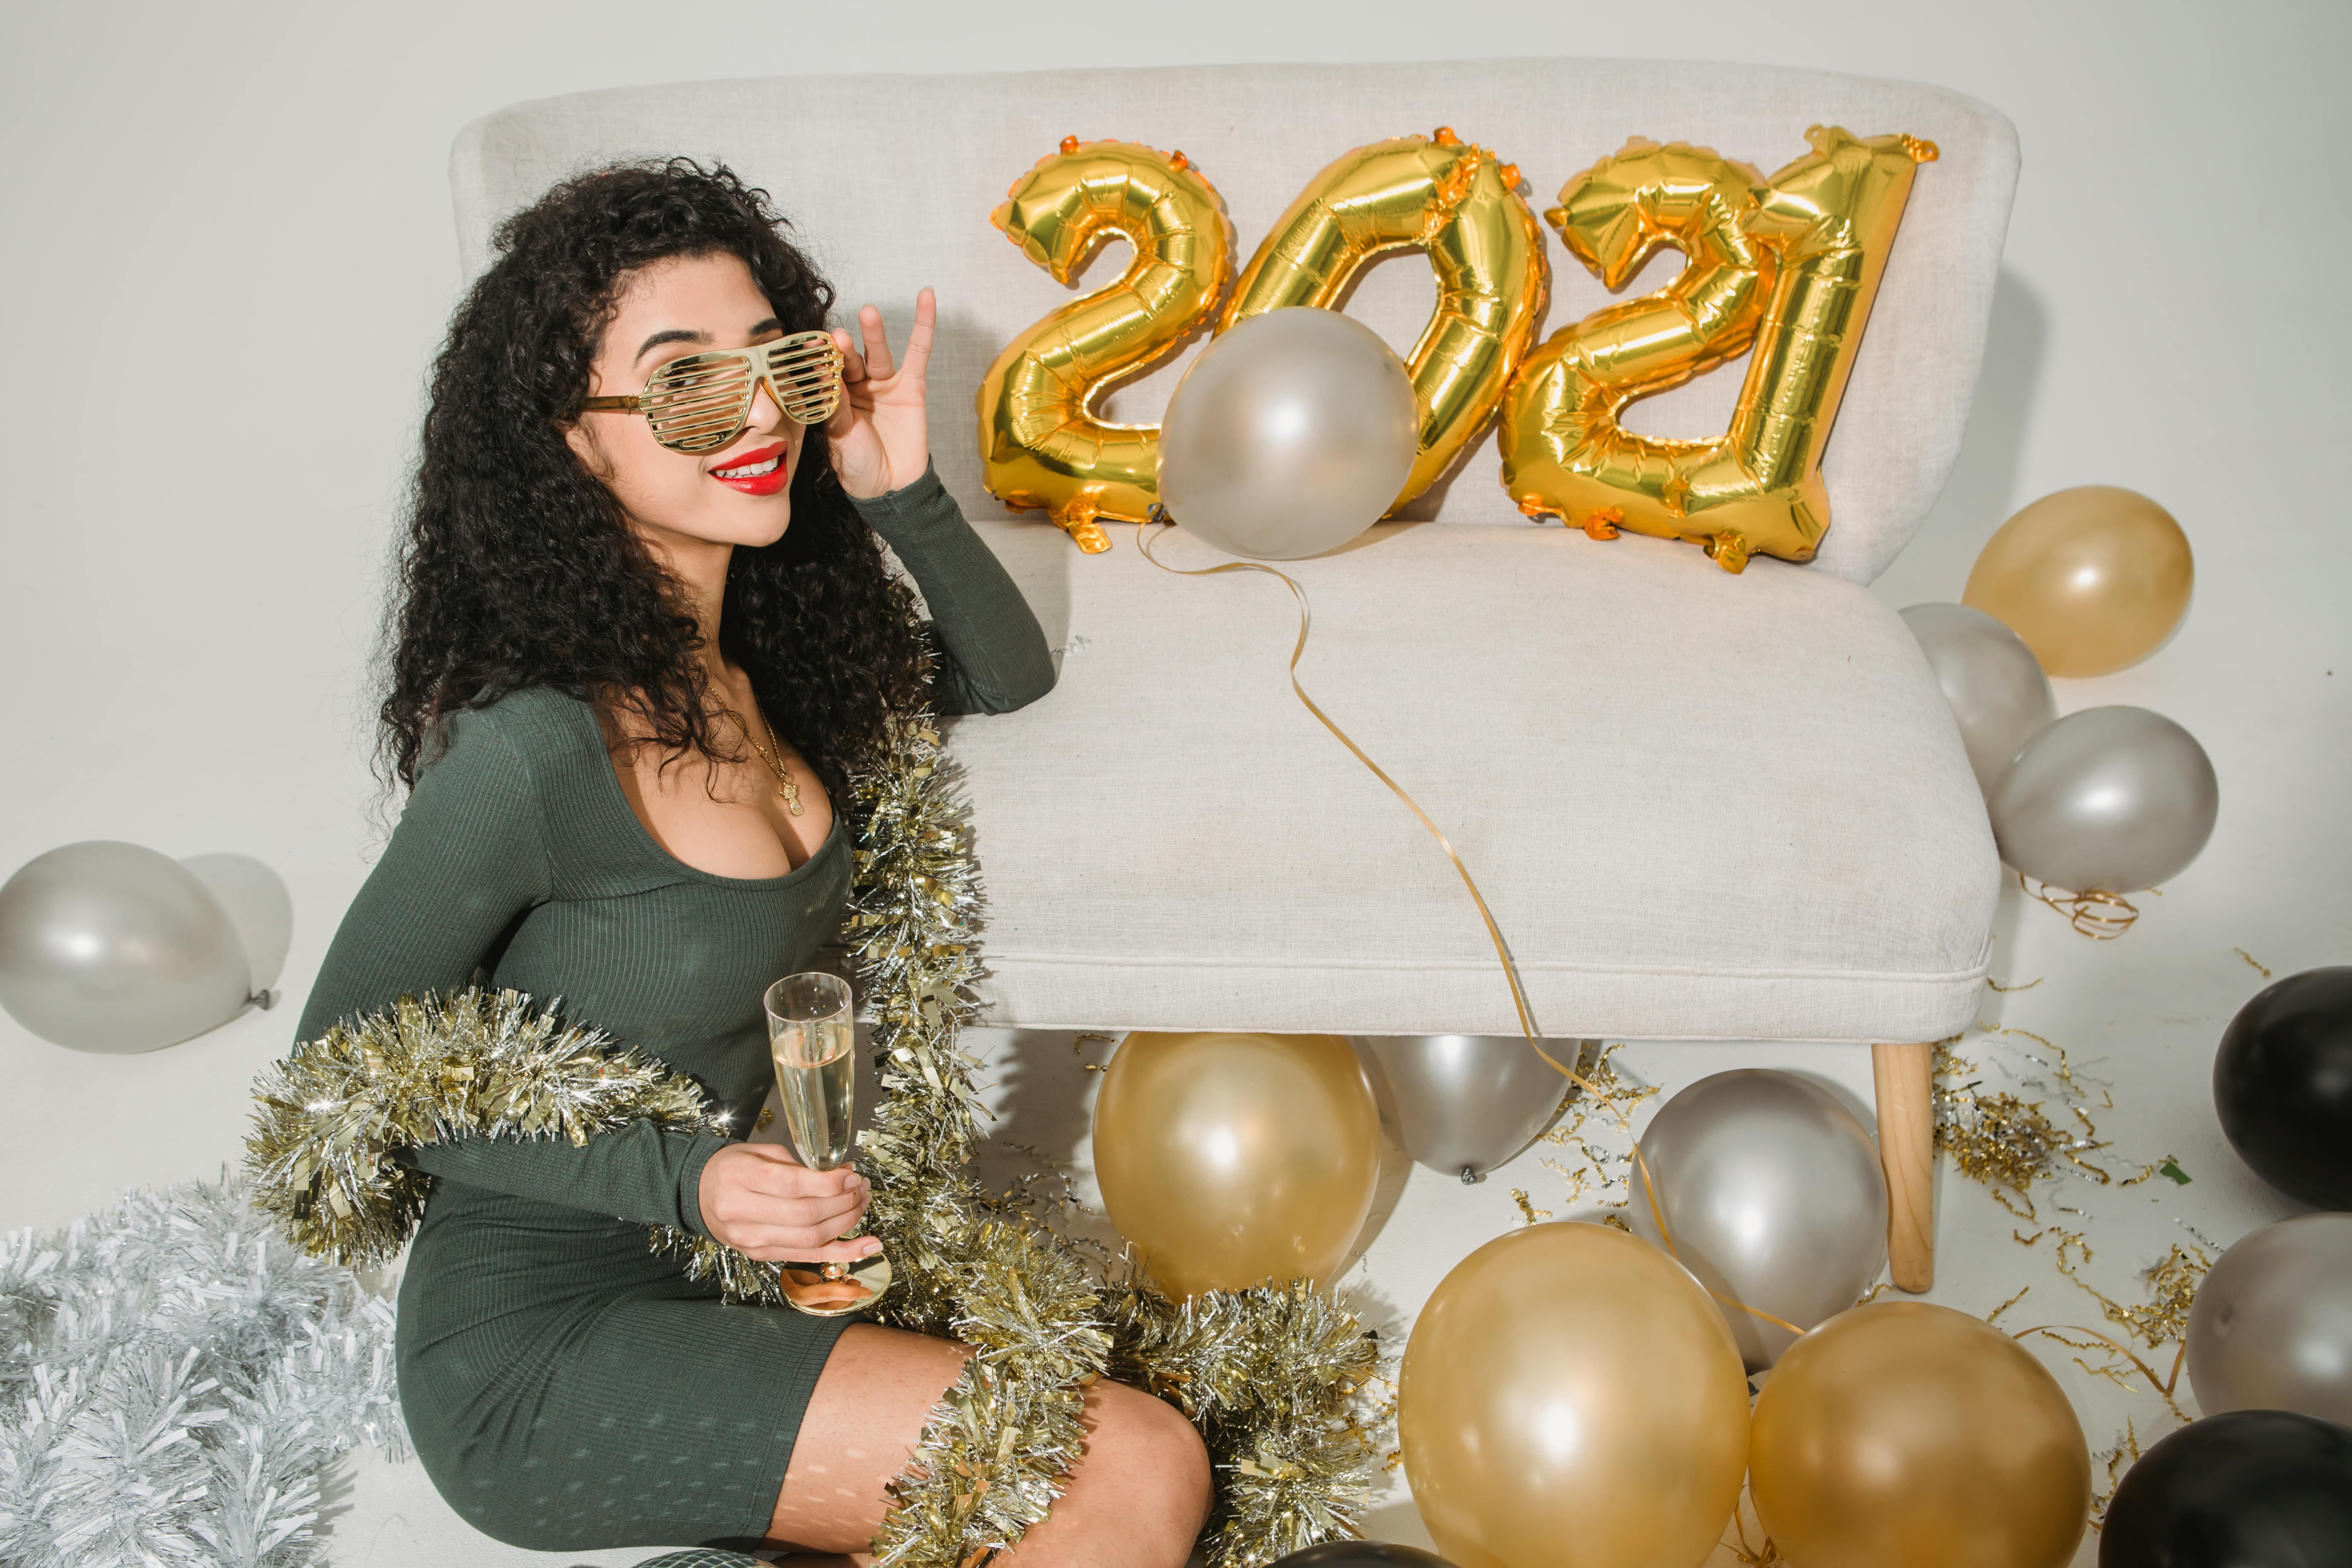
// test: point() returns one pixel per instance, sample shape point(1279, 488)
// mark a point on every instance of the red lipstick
point(775, 479)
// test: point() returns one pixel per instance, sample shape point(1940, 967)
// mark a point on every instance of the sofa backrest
point(890, 181)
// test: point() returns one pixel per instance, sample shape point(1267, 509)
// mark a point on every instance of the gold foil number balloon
point(1040, 443)
point(1569, 1399)
point(1228, 1159)
point(1458, 204)
point(1789, 264)
point(1563, 449)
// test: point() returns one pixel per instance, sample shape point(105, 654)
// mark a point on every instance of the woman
point(629, 682)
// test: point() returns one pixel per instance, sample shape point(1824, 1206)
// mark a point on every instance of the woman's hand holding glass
point(879, 434)
point(760, 1201)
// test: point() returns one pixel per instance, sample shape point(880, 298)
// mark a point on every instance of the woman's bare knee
point(1137, 1497)
point(1171, 1461)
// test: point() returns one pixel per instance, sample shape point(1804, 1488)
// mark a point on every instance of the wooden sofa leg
point(1906, 1150)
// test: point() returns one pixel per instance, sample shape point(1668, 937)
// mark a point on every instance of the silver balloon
point(109, 947)
point(1465, 1103)
point(1775, 1196)
point(1290, 435)
point(1990, 678)
point(2272, 1329)
point(2109, 799)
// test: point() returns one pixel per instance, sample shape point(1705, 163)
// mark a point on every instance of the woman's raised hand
point(760, 1200)
point(880, 439)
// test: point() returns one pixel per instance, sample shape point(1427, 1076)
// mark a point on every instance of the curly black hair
point(519, 570)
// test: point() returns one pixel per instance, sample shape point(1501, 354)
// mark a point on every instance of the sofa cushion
point(890, 181)
point(1700, 806)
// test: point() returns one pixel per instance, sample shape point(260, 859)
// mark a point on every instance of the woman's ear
point(582, 442)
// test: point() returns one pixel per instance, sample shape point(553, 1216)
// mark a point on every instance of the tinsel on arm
point(477, 1064)
point(471, 1065)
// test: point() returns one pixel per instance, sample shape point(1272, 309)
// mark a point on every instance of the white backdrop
point(204, 202)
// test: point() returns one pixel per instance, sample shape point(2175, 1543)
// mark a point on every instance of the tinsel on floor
point(175, 1376)
point(1274, 1376)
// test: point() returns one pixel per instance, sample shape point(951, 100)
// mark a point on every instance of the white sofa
point(1700, 805)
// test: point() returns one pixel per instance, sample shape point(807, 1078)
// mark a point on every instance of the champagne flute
point(813, 1041)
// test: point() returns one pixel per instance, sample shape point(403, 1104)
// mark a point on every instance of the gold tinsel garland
point(1273, 1376)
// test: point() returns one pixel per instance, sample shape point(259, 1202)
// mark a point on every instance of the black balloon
point(2252, 1489)
point(2283, 1086)
point(1362, 1554)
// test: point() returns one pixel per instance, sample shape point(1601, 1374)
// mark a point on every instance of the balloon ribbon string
point(1493, 932)
point(1299, 651)
point(2102, 917)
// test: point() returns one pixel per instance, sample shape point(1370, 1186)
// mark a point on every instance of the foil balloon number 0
point(1040, 444)
point(1788, 265)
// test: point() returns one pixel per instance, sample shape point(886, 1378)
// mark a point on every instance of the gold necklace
point(786, 785)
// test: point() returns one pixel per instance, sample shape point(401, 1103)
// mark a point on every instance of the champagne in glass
point(813, 1037)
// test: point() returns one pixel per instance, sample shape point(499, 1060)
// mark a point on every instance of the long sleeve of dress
point(996, 658)
point(467, 860)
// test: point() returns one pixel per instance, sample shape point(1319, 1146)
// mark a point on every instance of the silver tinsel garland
point(1273, 1375)
point(174, 1376)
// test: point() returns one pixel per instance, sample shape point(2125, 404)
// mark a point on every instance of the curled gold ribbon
point(2166, 1387)
point(1495, 933)
point(2102, 917)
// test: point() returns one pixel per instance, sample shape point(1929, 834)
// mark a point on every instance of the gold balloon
point(1791, 264)
point(1570, 1398)
point(1909, 1432)
point(1231, 1159)
point(1461, 206)
point(2093, 578)
point(1040, 444)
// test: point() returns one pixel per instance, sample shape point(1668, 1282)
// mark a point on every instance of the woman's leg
point(1136, 1499)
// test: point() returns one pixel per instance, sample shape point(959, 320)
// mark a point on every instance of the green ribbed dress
point(566, 1388)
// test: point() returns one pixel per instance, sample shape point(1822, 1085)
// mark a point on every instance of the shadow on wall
point(259, 906)
point(1035, 552)
point(1983, 489)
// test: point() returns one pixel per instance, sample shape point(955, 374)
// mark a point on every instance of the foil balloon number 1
point(1040, 444)
point(1788, 265)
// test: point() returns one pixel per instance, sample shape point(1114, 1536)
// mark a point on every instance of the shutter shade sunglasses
point(701, 402)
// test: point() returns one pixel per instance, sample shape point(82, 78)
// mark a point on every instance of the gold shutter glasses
point(700, 402)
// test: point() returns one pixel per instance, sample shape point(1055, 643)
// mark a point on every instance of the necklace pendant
point(791, 790)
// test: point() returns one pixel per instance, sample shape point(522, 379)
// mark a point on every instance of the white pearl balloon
point(1775, 1196)
point(1465, 1103)
point(1289, 435)
point(2109, 799)
point(107, 946)
point(1997, 693)
point(2272, 1329)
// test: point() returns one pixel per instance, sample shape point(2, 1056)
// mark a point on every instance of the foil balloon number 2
point(1786, 265)
point(1042, 445)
